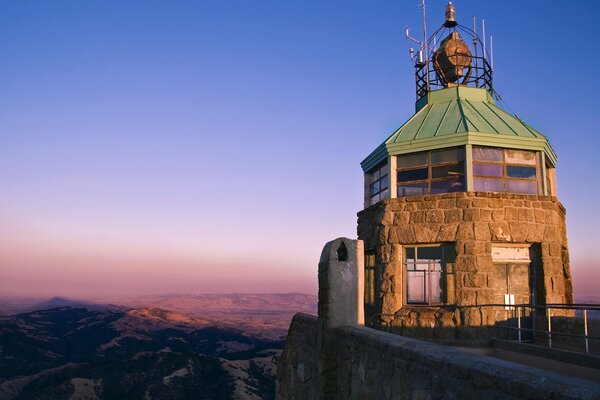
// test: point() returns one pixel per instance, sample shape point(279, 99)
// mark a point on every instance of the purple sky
point(185, 146)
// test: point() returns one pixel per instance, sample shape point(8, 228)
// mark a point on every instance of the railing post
point(549, 327)
point(585, 331)
point(519, 323)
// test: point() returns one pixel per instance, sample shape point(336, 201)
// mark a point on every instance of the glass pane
point(447, 170)
point(520, 157)
point(384, 182)
point(429, 253)
point(383, 170)
point(412, 175)
point(383, 194)
point(375, 175)
point(374, 188)
point(416, 286)
point(410, 253)
point(413, 189)
point(410, 160)
point(436, 290)
point(487, 154)
point(481, 169)
point(488, 185)
point(448, 155)
point(374, 199)
point(516, 171)
point(448, 186)
point(523, 187)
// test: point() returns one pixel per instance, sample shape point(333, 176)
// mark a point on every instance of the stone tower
point(461, 218)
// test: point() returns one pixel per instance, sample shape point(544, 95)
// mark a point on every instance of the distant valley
point(154, 347)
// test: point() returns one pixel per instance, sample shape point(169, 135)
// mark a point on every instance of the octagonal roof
point(458, 116)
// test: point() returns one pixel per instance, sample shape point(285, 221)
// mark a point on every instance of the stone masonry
point(473, 222)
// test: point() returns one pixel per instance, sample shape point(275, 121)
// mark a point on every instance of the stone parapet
point(363, 363)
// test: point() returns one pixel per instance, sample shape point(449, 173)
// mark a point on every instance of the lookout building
point(461, 217)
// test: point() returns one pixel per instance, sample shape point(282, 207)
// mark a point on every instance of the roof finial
point(450, 16)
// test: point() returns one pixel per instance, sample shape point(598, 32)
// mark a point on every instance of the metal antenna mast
point(425, 44)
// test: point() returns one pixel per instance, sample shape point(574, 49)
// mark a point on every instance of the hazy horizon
point(152, 147)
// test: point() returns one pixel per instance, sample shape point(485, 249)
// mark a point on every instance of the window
point(431, 172)
point(369, 277)
point(505, 170)
point(429, 274)
point(379, 183)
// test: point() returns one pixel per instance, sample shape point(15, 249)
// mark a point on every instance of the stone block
point(539, 216)
point(406, 234)
point(518, 231)
point(500, 231)
point(446, 204)
point(436, 216)
point(417, 217)
point(467, 298)
point(447, 232)
point(471, 214)
point(467, 263)
point(551, 233)
point(552, 218)
point(495, 203)
point(535, 233)
point(387, 218)
point(465, 231)
point(511, 213)
point(426, 233)
point(482, 231)
point(486, 215)
point(479, 203)
point(526, 214)
point(498, 215)
point(453, 215)
point(402, 218)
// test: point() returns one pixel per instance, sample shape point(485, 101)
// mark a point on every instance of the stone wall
point(354, 362)
point(298, 375)
point(474, 222)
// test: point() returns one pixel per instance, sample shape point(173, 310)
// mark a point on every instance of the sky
point(214, 146)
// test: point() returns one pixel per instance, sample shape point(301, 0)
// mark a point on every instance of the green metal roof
point(458, 116)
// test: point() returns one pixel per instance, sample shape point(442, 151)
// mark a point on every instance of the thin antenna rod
point(483, 34)
point(492, 51)
point(426, 47)
point(475, 47)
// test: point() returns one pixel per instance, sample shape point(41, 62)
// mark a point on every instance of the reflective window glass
point(384, 182)
point(448, 186)
point(522, 187)
point(517, 171)
point(410, 160)
point(410, 253)
point(416, 287)
point(488, 185)
point(520, 157)
point(444, 171)
point(429, 253)
point(413, 189)
point(486, 169)
point(413, 175)
point(487, 154)
point(448, 155)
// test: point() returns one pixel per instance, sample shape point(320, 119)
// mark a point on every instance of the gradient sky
point(214, 146)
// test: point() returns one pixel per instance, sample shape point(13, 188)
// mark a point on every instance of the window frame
point(383, 192)
point(447, 257)
point(430, 167)
point(505, 178)
point(369, 293)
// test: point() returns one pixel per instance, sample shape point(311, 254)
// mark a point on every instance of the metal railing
point(522, 313)
point(524, 319)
